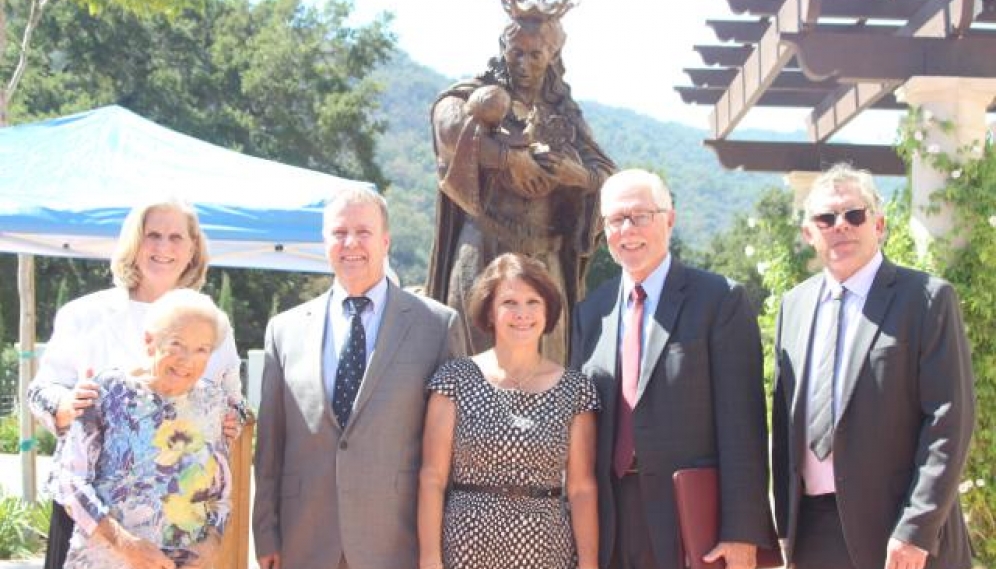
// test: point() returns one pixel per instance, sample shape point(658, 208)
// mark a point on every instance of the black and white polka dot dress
point(507, 437)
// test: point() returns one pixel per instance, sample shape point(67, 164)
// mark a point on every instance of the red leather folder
point(696, 496)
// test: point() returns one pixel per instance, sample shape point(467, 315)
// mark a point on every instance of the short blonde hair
point(126, 273)
point(181, 304)
point(354, 195)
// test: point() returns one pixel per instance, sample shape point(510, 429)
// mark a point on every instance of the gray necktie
point(352, 362)
point(819, 429)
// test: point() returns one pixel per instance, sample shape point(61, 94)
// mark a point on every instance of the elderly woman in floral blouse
point(144, 472)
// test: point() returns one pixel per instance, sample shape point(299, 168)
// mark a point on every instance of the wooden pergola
point(835, 58)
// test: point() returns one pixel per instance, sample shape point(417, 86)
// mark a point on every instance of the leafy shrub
point(23, 527)
point(10, 436)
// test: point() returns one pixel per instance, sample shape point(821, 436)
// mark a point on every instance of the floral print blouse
point(156, 464)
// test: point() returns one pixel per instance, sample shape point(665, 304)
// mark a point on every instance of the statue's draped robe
point(479, 216)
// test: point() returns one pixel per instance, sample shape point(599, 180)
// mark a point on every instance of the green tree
point(24, 17)
point(225, 301)
point(740, 252)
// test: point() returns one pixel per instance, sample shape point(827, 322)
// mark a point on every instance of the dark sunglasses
point(855, 217)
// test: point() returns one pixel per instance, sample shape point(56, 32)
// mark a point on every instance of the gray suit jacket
point(322, 492)
point(701, 403)
point(908, 408)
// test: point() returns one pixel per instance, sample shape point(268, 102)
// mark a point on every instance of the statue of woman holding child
point(519, 170)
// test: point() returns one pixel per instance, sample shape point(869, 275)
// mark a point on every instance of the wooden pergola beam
point(932, 17)
point(765, 62)
point(800, 98)
point(878, 59)
point(724, 55)
point(788, 79)
point(754, 156)
point(858, 9)
point(739, 31)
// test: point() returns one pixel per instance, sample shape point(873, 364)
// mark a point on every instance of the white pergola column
point(963, 102)
point(800, 181)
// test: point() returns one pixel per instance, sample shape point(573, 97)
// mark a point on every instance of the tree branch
point(37, 7)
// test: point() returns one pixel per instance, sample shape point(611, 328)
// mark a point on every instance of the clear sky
point(623, 53)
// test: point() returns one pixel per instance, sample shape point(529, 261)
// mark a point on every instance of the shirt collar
point(377, 295)
point(653, 285)
point(859, 283)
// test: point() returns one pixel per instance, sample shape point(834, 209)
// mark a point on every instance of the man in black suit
point(874, 405)
point(676, 355)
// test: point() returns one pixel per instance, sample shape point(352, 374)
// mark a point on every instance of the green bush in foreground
point(23, 527)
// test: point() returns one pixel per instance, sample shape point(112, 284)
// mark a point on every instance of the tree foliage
point(966, 258)
point(278, 79)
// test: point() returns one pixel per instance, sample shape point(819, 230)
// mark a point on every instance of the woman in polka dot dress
point(508, 459)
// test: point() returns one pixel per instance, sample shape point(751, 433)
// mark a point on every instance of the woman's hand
point(75, 401)
point(231, 426)
point(143, 554)
point(137, 552)
point(206, 551)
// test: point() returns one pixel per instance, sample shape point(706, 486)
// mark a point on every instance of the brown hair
point(506, 267)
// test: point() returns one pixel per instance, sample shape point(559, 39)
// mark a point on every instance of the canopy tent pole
point(26, 371)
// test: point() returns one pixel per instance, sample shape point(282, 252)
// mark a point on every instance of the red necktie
point(624, 450)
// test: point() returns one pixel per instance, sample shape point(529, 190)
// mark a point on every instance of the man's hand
point(269, 561)
point(902, 555)
point(72, 404)
point(736, 555)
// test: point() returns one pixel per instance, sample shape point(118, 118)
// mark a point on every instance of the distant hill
point(707, 196)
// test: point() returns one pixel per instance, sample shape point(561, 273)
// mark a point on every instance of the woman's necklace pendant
point(520, 422)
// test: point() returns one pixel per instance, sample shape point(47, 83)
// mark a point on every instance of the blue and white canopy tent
point(66, 185)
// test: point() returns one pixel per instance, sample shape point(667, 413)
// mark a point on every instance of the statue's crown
point(538, 9)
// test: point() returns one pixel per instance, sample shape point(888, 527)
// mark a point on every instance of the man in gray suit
point(675, 353)
point(874, 406)
point(343, 396)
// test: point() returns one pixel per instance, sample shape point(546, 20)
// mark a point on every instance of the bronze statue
point(518, 168)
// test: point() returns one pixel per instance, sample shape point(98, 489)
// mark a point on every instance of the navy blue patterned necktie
point(352, 362)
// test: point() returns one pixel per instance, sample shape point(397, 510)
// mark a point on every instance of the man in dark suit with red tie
point(676, 355)
point(874, 406)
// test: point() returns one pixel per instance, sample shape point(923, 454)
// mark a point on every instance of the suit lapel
point(313, 333)
point(661, 324)
point(603, 362)
point(802, 320)
point(879, 296)
point(394, 325)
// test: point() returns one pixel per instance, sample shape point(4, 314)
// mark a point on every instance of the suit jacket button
point(343, 445)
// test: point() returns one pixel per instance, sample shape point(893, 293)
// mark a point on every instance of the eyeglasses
point(636, 218)
point(855, 217)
